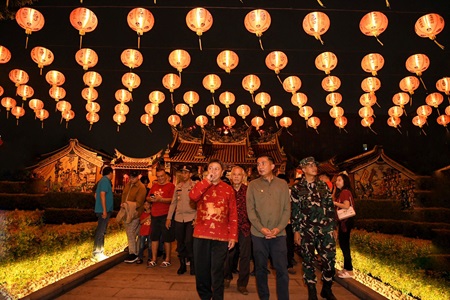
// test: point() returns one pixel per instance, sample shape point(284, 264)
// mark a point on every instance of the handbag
point(346, 213)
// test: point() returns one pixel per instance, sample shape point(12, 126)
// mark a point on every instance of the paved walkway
point(132, 281)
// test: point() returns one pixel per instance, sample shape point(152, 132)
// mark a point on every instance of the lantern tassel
point(253, 98)
point(241, 1)
point(423, 83)
point(264, 113)
point(214, 122)
point(378, 40)
point(279, 79)
point(17, 122)
point(387, 4)
point(26, 42)
point(448, 97)
point(7, 3)
point(378, 104)
point(81, 41)
point(317, 130)
point(90, 127)
point(245, 122)
point(171, 100)
point(276, 123)
point(439, 113)
point(410, 103)
point(67, 124)
point(149, 129)
point(373, 130)
point(228, 111)
point(139, 41)
point(260, 43)
point(214, 100)
point(60, 122)
point(192, 111)
point(404, 110)
point(42, 125)
point(40, 72)
point(200, 43)
point(424, 133)
point(440, 46)
point(118, 128)
point(7, 114)
point(289, 132)
point(398, 130)
point(321, 4)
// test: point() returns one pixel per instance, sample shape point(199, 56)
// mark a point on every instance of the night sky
point(23, 143)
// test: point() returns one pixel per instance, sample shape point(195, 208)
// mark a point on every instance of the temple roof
point(121, 161)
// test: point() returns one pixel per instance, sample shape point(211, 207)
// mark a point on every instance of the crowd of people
point(221, 224)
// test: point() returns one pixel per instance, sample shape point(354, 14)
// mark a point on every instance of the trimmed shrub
point(20, 201)
point(70, 215)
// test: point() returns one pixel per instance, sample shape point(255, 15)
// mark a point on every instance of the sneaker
point(242, 290)
point(131, 258)
point(345, 274)
point(98, 257)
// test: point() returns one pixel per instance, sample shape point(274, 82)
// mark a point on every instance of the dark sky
point(22, 144)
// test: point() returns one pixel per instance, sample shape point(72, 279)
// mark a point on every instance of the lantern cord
point(260, 43)
point(387, 4)
point(139, 41)
point(26, 42)
point(228, 111)
point(253, 98)
point(440, 46)
point(200, 43)
point(149, 129)
point(423, 83)
point(171, 100)
point(192, 111)
point(321, 4)
point(279, 79)
point(379, 40)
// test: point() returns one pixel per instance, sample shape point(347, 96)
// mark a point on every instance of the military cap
point(307, 160)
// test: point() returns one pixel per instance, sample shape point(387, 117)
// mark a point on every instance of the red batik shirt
point(241, 204)
point(216, 211)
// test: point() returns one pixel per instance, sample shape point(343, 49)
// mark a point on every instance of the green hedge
point(70, 215)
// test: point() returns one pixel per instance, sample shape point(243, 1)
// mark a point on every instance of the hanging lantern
point(89, 94)
point(92, 79)
point(174, 120)
point(92, 117)
point(393, 122)
point(123, 95)
point(25, 91)
point(373, 24)
point(243, 111)
point(372, 62)
point(87, 58)
point(30, 20)
point(365, 112)
point(201, 121)
point(443, 85)
point(275, 111)
point(92, 107)
point(409, 84)
point(1, 90)
point(316, 24)
point(131, 81)
point(35, 104)
point(336, 112)
point(367, 122)
point(68, 115)
point(131, 58)
point(182, 109)
point(333, 99)
point(305, 112)
point(140, 20)
point(434, 100)
point(151, 109)
point(147, 119)
point(5, 55)
point(257, 122)
point(368, 99)
point(417, 64)
point(424, 111)
point(299, 99)
point(55, 78)
point(84, 20)
point(227, 60)
point(212, 82)
point(326, 61)
point(8, 103)
point(63, 106)
point(340, 122)
point(18, 112)
point(257, 21)
point(276, 61)
point(285, 122)
point(313, 122)
point(42, 114)
point(262, 99)
point(292, 84)
point(395, 111)
point(428, 26)
point(171, 82)
point(156, 97)
point(121, 109)
point(119, 119)
point(42, 56)
point(419, 121)
point(229, 121)
point(443, 120)
point(370, 85)
point(227, 98)
point(19, 77)
point(179, 59)
point(331, 83)
point(213, 110)
point(251, 83)
point(191, 98)
point(199, 20)
point(447, 110)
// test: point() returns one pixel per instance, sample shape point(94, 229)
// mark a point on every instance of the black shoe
point(312, 292)
point(326, 291)
point(131, 258)
point(182, 268)
point(192, 271)
point(235, 271)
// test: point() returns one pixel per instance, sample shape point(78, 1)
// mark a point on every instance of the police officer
point(313, 223)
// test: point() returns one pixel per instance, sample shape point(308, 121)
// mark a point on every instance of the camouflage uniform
point(314, 217)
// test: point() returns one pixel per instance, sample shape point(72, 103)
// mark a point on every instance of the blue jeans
point(277, 250)
point(100, 232)
point(144, 240)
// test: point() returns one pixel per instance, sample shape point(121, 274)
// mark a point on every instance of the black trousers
point(244, 255)
point(344, 243)
point(185, 241)
point(209, 257)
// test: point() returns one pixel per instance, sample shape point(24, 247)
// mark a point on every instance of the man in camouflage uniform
point(313, 222)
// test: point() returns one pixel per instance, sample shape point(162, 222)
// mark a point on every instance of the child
point(144, 233)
